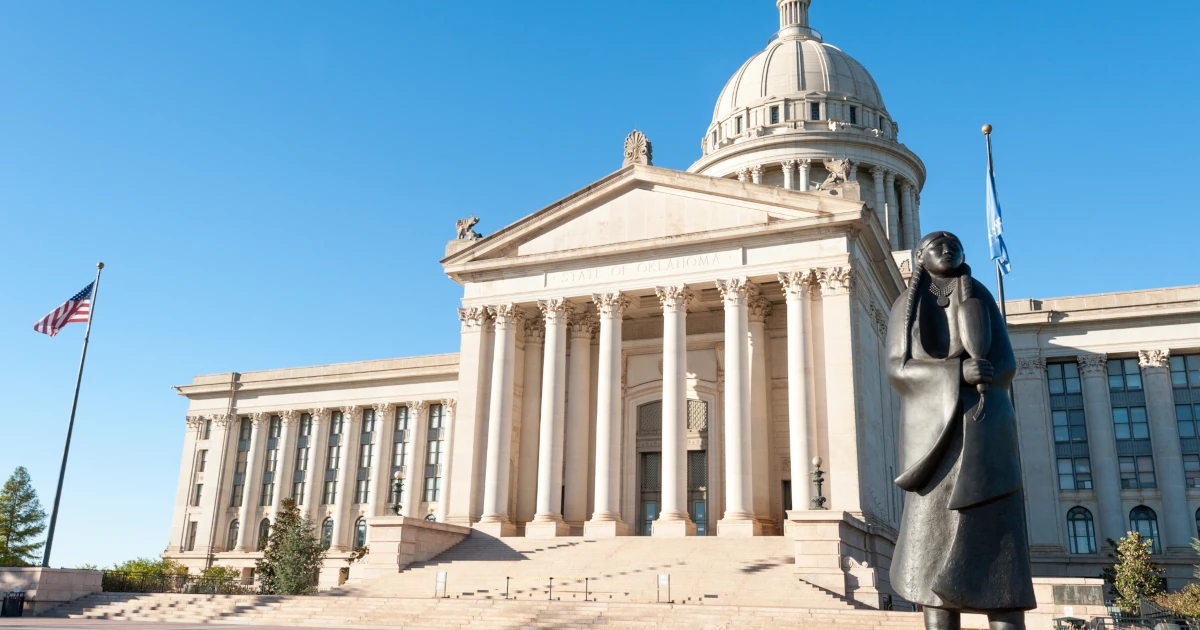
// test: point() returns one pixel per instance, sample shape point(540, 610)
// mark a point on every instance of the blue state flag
point(995, 225)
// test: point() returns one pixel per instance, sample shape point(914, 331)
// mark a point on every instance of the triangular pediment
point(642, 206)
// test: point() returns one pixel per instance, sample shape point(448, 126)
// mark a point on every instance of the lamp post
point(818, 477)
point(397, 487)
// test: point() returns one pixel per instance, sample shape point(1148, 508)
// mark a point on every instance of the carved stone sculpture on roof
point(839, 172)
point(638, 150)
point(465, 231)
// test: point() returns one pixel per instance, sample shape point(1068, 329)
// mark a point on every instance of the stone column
point(877, 174)
point(893, 211)
point(470, 417)
point(314, 480)
point(797, 287)
point(579, 418)
point(188, 478)
point(916, 218)
point(606, 520)
point(805, 168)
point(259, 422)
point(347, 473)
point(285, 468)
point(758, 310)
point(789, 174)
point(381, 467)
point(743, 175)
point(210, 538)
point(1180, 526)
point(906, 214)
point(673, 520)
point(414, 465)
point(1102, 446)
point(756, 174)
point(738, 520)
point(548, 521)
point(843, 486)
point(495, 519)
point(1039, 464)
point(531, 397)
point(449, 406)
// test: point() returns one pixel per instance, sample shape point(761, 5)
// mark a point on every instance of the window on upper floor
point(201, 460)
point(714, 140)
point(853, 115)
point(1081, 530)
point(1144, 521)
point(1069, 426)
point(366, 451)
point(197, 492)
point(191, 536)
point(1063, 378)
point(435, 447)
point(1130, 423)
point(1074, 473)
point(206, 431)
point(1124, 375)
point(814, 111)
point(1186, 416)
point(1185, 370)
point(737, 124)
point(1191, 470)
point(1137, 472)
point(774, 114)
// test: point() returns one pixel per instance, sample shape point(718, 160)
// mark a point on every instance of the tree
point(292, 559)
point(21, 521)
point(150, 566)
point(1135, 576)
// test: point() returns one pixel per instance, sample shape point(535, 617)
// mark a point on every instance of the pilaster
point(470, 416)
point(837, 341)
point(1102, 444)
point(381, 478)
point(1038, 462)
point(1179, 524)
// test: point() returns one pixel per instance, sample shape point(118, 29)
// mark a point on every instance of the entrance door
point(651, 492)
point(697, 481)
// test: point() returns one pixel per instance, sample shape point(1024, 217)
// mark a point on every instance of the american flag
point(73, 310)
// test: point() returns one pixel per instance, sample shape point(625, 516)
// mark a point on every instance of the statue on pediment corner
point(465, 229)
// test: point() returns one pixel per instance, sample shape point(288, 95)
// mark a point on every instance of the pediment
point(640, 206)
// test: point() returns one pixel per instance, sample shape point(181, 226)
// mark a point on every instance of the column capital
point(743, 175)
point(878, 172)
point(797, 283)
point(535, 330)
point(756, 173)
point(736, 291)
point(788, 164)
point(318, 414)
point(260, 417)
point(449, 405)
point(582, 325)
point(383, 409)
point(1031, 368)
point(1158, 358)
point(223, 420)
point(835, 280)
point(507, 315)
point(760, 308)
point(194, 422)
point(473, 318)
point(350, 413)
point(416, 408)
point(675, 298)
point(1093, 364)
point(555, 308)
point(611, 304)
point(890, 177)
point(905, 185)
point(804, 164)
point(287, 416)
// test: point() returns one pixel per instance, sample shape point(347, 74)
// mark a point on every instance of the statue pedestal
point(394, 542)
point(842, 554)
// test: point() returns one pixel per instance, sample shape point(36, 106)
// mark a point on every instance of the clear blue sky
point(272, 184)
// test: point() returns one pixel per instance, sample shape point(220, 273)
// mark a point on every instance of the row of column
point(563, 426)
point(223, 444)
point(1031, 393)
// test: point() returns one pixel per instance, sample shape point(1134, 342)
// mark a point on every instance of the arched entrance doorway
point(649, 465)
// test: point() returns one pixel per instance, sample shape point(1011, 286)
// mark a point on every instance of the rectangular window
point(365, 454)
point(814, 110)
point(239, 466)
point(853, 115)
point(1130, 423)
point(1191, 470)
point(201, 460)
point(737, 124)
point(433, 454)
point(1063, 378)
point(298, 492)
point(196, 494)
point(714, 140)
point(1185, 370)
point(1124, 375)
point(1137, 472)
point(400, 438)
point(1186, 416)
point(329, 495)
point(333, 459)
point(303, 448)
point(1069, 426)
point(775, 115)
point(191, 536)
point(1074, 474)
point(268, 494)
point(362, 490)
point(206, 432)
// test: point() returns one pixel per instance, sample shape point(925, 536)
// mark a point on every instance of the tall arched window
point(327, 534)
point(264, 534)
point(1144, 521)
point(360, 533)
point(1081, 531)
point(233, 535)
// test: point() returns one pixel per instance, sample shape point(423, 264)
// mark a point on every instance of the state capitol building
point(664, 353)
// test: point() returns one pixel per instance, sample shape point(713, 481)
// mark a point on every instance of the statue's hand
point(976, 371)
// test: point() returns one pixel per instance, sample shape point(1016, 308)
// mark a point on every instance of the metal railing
point(127, 582)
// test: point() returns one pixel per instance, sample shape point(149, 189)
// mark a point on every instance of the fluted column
point(285, 468)
point(314, 480)
point(1102, 445)
point(738, 520)
point(797, 287)
point(414, 465)
point(759, 309)
point(673, 520)
point(756, 174)
point(462, 490)
point(531, 401)
point(251, 482)
point(906, 213)
point(548, 521)
point(381, 479)
point(449, 407)
point(347, 472)
point(582, 327)
point(606, 520)
point(1180, 526)
point(495, 518)
point(805, 169)
point(1038, 462)
point(893, 211)
point(877, 174)
point(789, 174)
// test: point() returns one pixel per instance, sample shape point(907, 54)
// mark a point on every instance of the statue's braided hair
point(920, 276)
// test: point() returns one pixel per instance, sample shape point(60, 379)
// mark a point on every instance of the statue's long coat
point(963, 543)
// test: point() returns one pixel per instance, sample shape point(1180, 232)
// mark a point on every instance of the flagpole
point(987, 135)
point(71, 424)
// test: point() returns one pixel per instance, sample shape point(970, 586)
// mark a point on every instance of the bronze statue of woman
point(963, 545)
